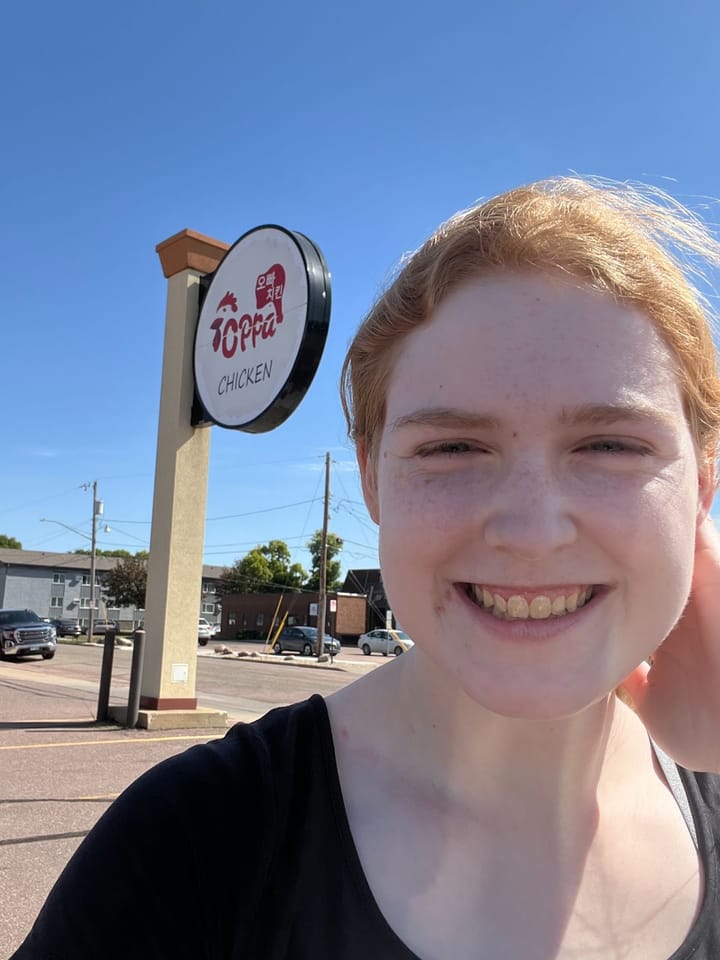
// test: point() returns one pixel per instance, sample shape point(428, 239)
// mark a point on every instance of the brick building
point(251, 615)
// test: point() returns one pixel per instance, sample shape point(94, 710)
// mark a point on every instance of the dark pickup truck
point(23, 633)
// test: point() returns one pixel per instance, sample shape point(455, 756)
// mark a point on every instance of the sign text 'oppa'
point(232, 333)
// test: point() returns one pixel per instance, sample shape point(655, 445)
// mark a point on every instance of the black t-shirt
point(240, 849)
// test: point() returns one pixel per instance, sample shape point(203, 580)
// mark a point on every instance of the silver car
point(384, 642)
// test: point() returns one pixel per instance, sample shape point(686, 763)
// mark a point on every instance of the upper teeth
point(536, 606)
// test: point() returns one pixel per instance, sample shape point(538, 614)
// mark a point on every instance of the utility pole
point(97, 511)
point(322, 592)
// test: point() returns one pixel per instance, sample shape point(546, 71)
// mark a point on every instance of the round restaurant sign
point(262, 329)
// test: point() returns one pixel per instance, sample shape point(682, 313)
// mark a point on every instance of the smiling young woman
point(536, 407)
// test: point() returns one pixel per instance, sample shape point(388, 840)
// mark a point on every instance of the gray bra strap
point(672, 775)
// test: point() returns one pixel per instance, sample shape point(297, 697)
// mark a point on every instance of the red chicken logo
point(245, 332)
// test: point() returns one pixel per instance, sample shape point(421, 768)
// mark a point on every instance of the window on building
point(85, 603)
point(86, 580)
point(260, 620)
point(58, 578)
point(208, 608)
point(56, 602)
point(231, 620)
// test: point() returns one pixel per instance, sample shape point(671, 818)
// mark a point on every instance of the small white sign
point(312, 610)
point(178, 673)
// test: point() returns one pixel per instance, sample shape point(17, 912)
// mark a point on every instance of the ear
point(707, 485)
point(368, 478)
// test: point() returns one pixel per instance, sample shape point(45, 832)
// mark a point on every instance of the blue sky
point(363, 127)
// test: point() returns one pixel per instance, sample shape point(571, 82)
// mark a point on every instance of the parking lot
point(60, 770)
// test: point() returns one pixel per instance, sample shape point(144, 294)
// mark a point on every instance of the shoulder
point(194, 837)
point(240, 770)
point(704, 792)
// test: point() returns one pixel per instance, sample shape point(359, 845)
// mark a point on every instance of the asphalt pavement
point(60, 769)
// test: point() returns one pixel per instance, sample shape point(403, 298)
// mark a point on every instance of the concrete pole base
point(199, 718)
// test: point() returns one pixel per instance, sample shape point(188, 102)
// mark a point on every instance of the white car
point(384, 642)
point(205, 631)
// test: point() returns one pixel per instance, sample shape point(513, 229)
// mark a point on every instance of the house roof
point(362, 581)
point(75, 561)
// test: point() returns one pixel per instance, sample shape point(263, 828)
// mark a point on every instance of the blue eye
point(449, 448)
point(614, 447)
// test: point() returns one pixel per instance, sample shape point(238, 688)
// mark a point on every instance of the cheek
point(650, 532)
point(424, 523)
point(661, 504)
point(413, 505)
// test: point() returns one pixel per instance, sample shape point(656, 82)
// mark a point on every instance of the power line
point(253, 513)
point(233, 516)
point(32, 503)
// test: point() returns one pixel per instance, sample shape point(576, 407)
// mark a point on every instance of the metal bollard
point(106, 675)
point(133, 707)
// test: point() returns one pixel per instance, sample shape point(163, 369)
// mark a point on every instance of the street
point(59, 769)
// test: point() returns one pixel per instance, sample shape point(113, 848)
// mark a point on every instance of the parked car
point(23, 633)
point(303, 640)
point(102, 626)
point(384, 642)
point(205, 631)
point(67, 628)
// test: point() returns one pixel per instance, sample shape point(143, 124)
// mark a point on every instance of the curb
point(273, 658)
point(291, 661)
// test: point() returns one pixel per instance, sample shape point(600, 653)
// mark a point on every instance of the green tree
point(334, 546)
point(264, 569)
point(125, 584)
point(118, 552)
point(9, 543)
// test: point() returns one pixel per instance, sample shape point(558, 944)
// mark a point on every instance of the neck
point(561, 769)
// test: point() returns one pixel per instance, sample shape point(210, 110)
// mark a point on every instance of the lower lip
point(531, 631)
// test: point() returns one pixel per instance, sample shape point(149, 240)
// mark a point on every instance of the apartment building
point(57, 585)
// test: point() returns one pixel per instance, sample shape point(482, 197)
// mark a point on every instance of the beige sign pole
point(178, 520)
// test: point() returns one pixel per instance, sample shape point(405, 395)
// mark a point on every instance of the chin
point(535, 701)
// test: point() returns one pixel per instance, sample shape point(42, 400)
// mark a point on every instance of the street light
point(67, 527)
point(86, 536)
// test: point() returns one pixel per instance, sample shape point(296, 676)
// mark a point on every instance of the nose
point(529, 515)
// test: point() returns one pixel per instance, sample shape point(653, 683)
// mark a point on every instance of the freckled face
point(535, 450)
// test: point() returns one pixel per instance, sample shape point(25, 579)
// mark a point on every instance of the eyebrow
point(587, 414)
point(445, 417)
point(599, 414)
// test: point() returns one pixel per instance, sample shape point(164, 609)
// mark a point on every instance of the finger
point(635, 686)
point(707, 554)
